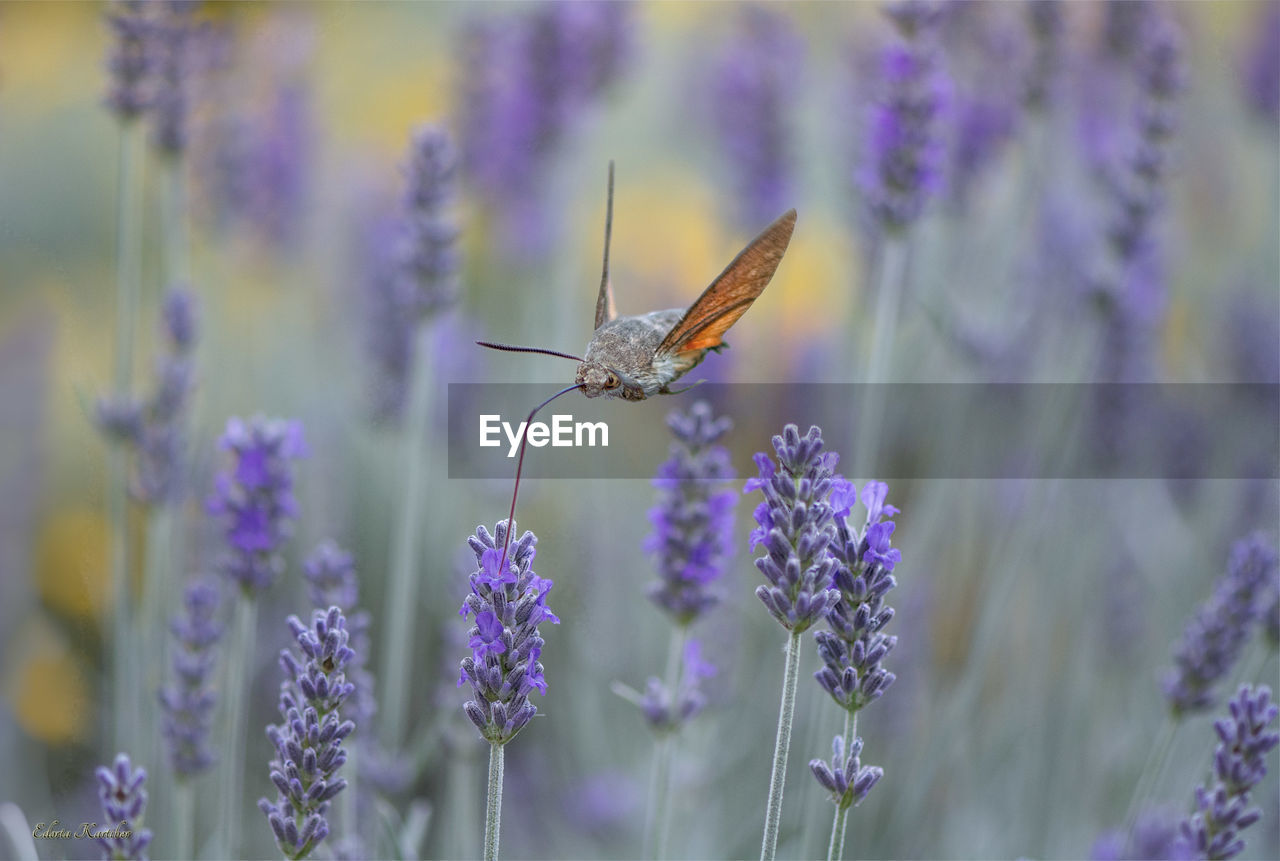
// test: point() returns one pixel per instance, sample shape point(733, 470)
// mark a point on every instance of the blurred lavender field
point(214, 213)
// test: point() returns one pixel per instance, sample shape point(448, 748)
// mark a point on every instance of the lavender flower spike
point(794, 523)
point(130, 62)
point(693, 520)
point(308, 742)
point(508, 605)
point(124, 802)
point(429, 258)
point(174, 46)
point(153, 428)
point(256, 498)
point(330, 573)
point(853, 648)
point(1217, 632)
point(905, 150)
point(666, 710)
point(188, 702)
point(846, 778)
point(1222, 809)
point(754, 83)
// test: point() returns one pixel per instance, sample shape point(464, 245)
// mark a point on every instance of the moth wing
point(703, 326)
point(606, 310)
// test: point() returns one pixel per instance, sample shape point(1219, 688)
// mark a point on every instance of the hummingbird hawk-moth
point(636, 357)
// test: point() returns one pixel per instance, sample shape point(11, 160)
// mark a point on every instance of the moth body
point(622, 359)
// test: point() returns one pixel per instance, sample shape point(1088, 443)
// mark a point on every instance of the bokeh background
point(1034, 617)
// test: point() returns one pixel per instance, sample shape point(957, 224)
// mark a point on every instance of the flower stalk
point(781, 746)
point(493, 801)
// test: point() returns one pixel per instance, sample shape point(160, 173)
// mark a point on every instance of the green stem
point(462, 798)
point(1156, 758)
point(835, 849)
point(150, 646)
point(657, 779)
point(239, 681)
point(493, 803)
point(659, 808)
point(891, 282)
point(184, 814)
point(781, 746)
point(177, 249)
point(397, 644)
point(128, 278)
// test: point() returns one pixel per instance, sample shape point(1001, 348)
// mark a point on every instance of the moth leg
point(669, 391)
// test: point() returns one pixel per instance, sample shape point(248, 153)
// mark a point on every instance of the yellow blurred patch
point(45, 46)
point(71, 562)
point(667, 235)
point(379, 103)
point(815, 283)
point(1176, 342)
point(48, 691)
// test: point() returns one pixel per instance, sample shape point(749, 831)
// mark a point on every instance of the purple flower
point(176, 49)
point(130, 62)
point(984, 123)
point(846, 778)
point(124, 802)
point(905, 150)
point(693, 518)
point(1261, 69)
point(308, 741)
point(1154, 835)
point(1122, 25)
point(854, 646)
point(282, 150)
point(1217, 632)
point(873, 497)
point(256, 152)
point(1136, 184)
point(389, 325)
point(188, 701)
point(844, 495)
point(526, 81)
point(428, 258)
point(255, 499)
point(412, 270)
point(1132, 286)
point(1222, 809)
point(667, 710)
point(1044, 18)
point(487, 639)
point(330, 573)
point(154, 428)
point(754, 85)
point(795, 526)
point(508, 606)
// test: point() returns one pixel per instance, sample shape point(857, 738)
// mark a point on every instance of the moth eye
point(611, 381)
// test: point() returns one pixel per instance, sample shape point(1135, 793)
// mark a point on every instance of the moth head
point(597, 379)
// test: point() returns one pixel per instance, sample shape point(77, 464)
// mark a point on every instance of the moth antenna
point(511, 515)
point(608, 231)
point(605, 309)
point(514, 349)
